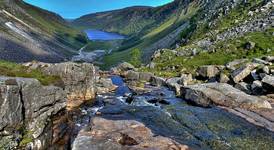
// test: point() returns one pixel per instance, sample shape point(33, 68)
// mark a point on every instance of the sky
point(71, 9)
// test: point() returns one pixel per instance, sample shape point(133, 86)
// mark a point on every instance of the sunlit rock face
point(26, 107)
point(79, 79)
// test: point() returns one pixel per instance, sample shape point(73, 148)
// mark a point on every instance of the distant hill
point(30, 33)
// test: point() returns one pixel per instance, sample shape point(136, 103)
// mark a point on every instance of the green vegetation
point(225, 52)
point(27, 138)
point(136, 57)
point(102, 45)
point(16, 70)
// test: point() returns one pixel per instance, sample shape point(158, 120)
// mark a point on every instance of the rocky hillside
point(184, 25)
point(29, 33)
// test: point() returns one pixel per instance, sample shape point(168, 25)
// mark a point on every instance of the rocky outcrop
point(222, 94)
point(121, 68)
point(122, 134)
point(241, 73)
point(79, 79)
point(26, 109)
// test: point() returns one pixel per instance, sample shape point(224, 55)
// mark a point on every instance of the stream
point(166, 115)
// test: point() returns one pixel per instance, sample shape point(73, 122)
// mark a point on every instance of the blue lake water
point(101, 35)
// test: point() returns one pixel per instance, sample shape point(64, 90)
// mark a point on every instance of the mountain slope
point(29, 33)
point(181, 24)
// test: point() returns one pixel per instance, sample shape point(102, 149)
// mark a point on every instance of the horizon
point(72, 9)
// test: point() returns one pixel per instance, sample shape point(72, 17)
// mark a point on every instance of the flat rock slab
point(222, 94)
point(122, 134)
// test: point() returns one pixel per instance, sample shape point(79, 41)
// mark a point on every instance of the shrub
point(136, 57)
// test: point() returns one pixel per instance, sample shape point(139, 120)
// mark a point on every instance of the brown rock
point(122, 134)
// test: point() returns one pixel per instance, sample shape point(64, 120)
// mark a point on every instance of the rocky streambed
point(154, 118)
point(126, 109)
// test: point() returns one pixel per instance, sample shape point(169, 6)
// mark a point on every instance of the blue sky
point(76, 8)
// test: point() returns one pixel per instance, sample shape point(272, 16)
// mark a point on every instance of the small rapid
point(164, 114)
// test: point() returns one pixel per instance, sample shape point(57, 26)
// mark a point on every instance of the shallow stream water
point(166, 115)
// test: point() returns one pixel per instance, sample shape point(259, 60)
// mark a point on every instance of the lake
point(95, 35)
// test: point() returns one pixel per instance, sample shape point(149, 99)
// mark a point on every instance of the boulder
point(173, 84)
point(208, 71)
point(122, 134)
point(250, 45)
point(26, 104)
point(158, 81)
point(79, 80)
point(242, 72)
point(234, 64)
point(105, 85)
point(185, 79)
point(145, 76)
point(269, 58)
point(125, 66)
point(257, 88)
point(223, 78)
point(266, 70)
point(260, 61)
point(268, 83)
point(132, 75)
point(222, 94)
point(245, 87)
point(151, 65)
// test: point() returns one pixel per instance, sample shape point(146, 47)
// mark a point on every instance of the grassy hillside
point(189, 25)
point(225, 37)
point(39, 33)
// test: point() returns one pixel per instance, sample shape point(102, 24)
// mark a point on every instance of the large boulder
point(105, 85)
point(245, 87)
point(222, 94)
point(208, 71)
point(268, 83)
point(242, 72)
point(269, 58)
point(132, 75)
point(123, 67)
point(26, 104)
point(185, 79)
point(145, 76)
point(79, 80)
point(122, 134)
point(158, 81)
point(173, 84)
